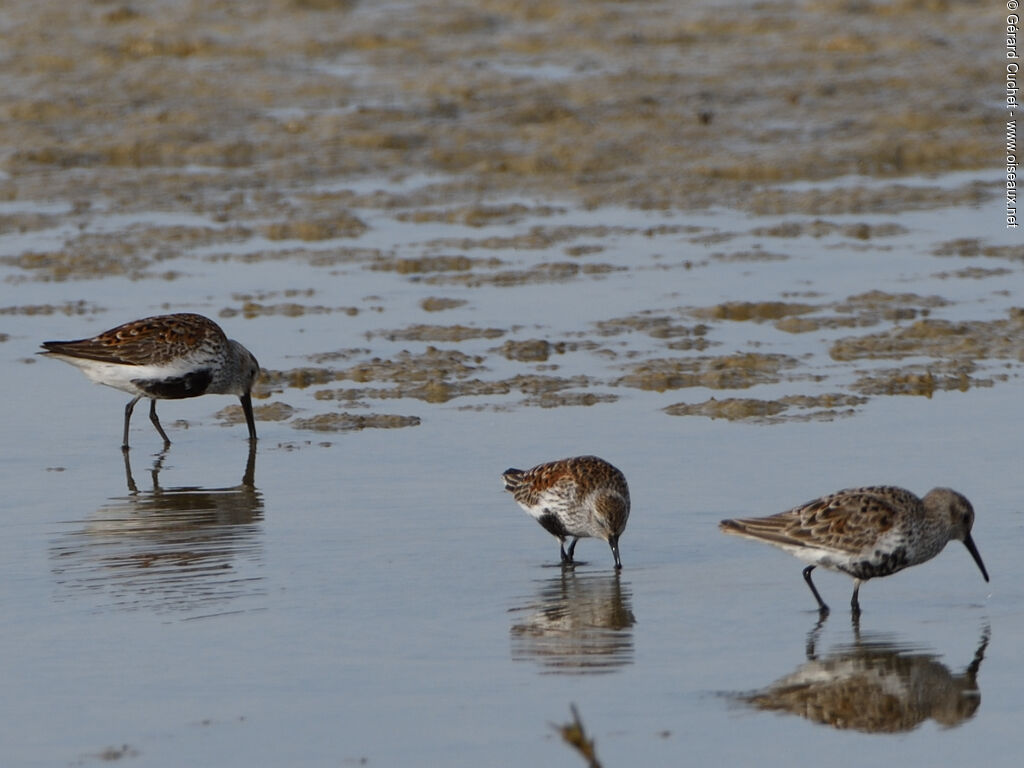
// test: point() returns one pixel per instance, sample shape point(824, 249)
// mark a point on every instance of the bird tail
point(772, 529)
point(732, 526)
point(513, 478)
point(55, 347)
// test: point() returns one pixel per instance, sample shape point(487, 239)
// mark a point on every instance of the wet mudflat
point(465, 237)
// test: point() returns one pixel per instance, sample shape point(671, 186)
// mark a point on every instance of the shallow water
point(359, 589)
point(374, 594)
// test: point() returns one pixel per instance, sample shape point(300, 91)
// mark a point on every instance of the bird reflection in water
point(576, 624)
point(168, 549)
point(875, 685)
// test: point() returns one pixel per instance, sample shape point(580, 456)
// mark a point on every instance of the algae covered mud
point(741, 252)
point(452, 146)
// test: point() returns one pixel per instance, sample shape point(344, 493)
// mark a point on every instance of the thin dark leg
point(127, 420)
point(822, 608)
point(572, 547)
point(613, 542)
point(156, 423)
point(561, 549)
point(854, 602)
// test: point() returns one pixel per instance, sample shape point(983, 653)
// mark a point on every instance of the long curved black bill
point(969, 543)
point(251, 421)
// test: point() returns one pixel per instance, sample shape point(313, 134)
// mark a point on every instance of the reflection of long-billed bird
point(168, 357)
point(183, 548)
point(866, 532)
point(576, 625)
point(876, 686)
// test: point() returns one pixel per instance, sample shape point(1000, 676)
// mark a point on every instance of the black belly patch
point(553, 525)
point(888, 563)
point(192, 384)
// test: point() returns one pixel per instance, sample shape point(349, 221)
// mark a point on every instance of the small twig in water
point(574, 735)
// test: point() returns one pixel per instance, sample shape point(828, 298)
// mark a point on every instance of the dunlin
point(578, 497)
point(866, 532)
point(168, 357)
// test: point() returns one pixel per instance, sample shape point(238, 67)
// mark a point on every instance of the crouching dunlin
point(866, 532)
point(578, 497)
point(168, 357)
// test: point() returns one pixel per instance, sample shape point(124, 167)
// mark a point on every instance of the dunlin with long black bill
point(866, 532)
point(167, 357)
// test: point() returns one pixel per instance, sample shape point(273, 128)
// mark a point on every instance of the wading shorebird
point(579, 497)
point(167, 357)
point(866, 532)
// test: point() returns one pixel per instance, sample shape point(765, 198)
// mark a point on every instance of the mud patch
point(270, 412)
point(351, 422)
point(436, 333)
point(659, 326)
point(298, 378)
point(974, 273)
point(944, 376)
point(481, 215)
point(530, 351)
point(865, 309)
point(891, 306)
point(435, 391)
point(740, 371)
point(433, 95)
point(967, 341)
point(133, 252)
point(565, 399)
point(425, 264)
point(791, 408)
point(857, 198)
point(821, 228)
point(115, 754)
point(342, 224)
point(550, 272)
point(752, 255)
point(233, 414)
point(541, 389)
point(68, 308)
point(27, 222)
point(436, 304)
point(749, 310)
point(431, 364)
point(972, 248)
point(251, 309)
